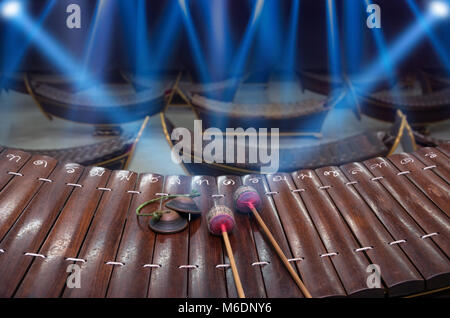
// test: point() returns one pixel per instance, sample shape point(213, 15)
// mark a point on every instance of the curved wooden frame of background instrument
point(436, 79)
point(217, 168)
point(210, 115)
point(98, 116)
point(120, 160)
point(378, 109)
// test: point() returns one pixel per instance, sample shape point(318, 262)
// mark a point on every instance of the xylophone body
point(332, 223)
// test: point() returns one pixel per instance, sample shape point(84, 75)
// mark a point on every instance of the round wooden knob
point(220, 217)
point(244, 196)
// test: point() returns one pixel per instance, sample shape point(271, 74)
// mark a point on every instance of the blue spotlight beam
point(354, 40)
point(241, 57)
point(401, 47)
point(102, 26)
point(12, 62)
point(440, 50)
point(167, 32)
point(194, 41)
point(382, 48)
point(219, 38)
point(156, 45)
point(143, 55)
point(66, 63)
point(289, 62)
point(333, 40)
point(268, 52)
point(291, 48)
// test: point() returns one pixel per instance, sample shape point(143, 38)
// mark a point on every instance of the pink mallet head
point(220, 218)
point(245, 196)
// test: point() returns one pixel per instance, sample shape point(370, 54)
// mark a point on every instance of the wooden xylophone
point(332, 223)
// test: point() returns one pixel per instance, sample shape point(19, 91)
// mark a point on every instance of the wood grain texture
point(243, 244)
point(317, 272)
point(102, 240)
point(137, 244)
point(426, 180)
point(397, 272)
point(29, 232)
point(432, 264)
point(53, 212)
point(433, 157)
point(430, 218)
point(205, 250)
point(277, 280)
point(21, 189)
point(445, 148)
point(336, 235)
point(171, 251)
point(11, 161)
point(47, 277)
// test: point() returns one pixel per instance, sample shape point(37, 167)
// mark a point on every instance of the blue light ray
point(289, 62)
point(99, 37)
point(219, 37)
point(399, 49)
point(65, 62)
point(244, 47)
point(166, 34)
point(354, 39)
point(443, 54)
point(11, 63)
point(383, 50)
point(269, 36)
point(291, 48)
point(143, 55)
point(334, 56)
point(194, 41)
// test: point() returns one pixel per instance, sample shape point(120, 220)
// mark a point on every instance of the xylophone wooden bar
point(47, 275)
point(427, 181)
point(435, 160)
point(332, 222)
point(32, 227)
point(101, 242)
point(277, 279)
point(371, 233)
point(137, 244)
point(171, 251)
point(423, 253)
point(350, 266)
point(205, 251)
point(10, 165)
point(295, 219)
point(445, 148)
point(243, 243)
point(19, 191)
point(429, 217)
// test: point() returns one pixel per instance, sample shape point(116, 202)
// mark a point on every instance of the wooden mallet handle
point(237, 280)
point(279, 251)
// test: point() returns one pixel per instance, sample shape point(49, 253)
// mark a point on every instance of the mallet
point(221, 222)
point(248, 200)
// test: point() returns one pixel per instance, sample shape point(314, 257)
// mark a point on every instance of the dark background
point(312, 46)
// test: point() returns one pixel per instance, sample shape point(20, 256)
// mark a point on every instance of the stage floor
point(23, 125)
